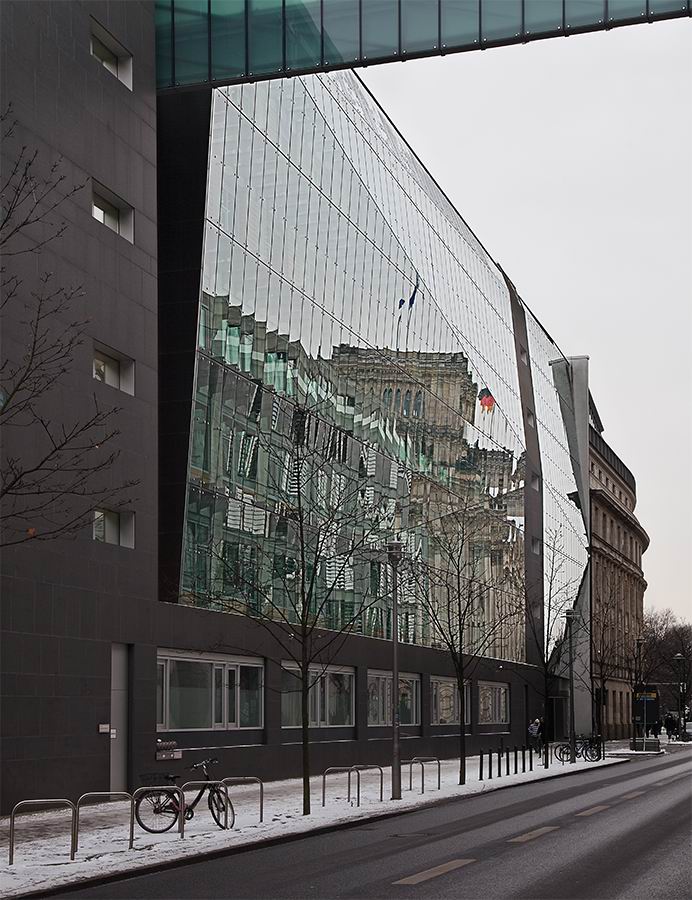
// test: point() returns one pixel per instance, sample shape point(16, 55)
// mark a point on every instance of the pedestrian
point(533, 733)
point(540, 736)
point(657, 728)
point(669, 725)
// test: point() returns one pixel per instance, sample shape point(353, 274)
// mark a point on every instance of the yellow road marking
point(633, 795)
point(592, 811)
point(530, 835)
point(437, 870)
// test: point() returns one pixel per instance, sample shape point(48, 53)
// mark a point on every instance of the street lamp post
point(394, 555)
point(569, 615)
point(679, 662)
point(639, 679)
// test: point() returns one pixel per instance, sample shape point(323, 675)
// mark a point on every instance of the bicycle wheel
point(217, 802)
point(156, 811)
point(562, 752)
point(592, 753)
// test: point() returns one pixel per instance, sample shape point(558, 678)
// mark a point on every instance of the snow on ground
point(42, 842)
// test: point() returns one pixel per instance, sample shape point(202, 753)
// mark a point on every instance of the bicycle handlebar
point(212, 761)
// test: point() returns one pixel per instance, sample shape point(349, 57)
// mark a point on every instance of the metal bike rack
point(151, 789)
point(123, 795)
point(51, 802)
point(421, 761)
point(250, 779)
point(198, 784)
point(351, 769)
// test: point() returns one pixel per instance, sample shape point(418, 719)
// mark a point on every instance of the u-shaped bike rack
point(166, 788)
point(249, 779)
point(351, 770)
point(123, 795)
point(196, 785)
point(52, 802)
point(421, 761)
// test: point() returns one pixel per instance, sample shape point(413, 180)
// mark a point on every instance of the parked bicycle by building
point(157, 810)
point(588, 748)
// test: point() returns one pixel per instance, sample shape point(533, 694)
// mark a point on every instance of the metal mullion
point(209, 70)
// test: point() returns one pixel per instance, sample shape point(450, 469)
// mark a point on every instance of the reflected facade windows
point(356, 359)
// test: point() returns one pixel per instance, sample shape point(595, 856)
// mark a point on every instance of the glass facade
point(356, 380)
point(229, 40)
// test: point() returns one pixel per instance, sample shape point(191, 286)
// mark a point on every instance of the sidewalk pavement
point(42, 842)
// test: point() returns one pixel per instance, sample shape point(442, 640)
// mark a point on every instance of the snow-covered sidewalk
point(42, 840)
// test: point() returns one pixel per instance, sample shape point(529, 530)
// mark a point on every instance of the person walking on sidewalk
point(533, 735)
point(669, 725)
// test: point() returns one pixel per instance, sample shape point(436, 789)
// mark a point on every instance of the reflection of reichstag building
point(364, 372)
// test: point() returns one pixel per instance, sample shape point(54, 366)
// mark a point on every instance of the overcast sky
point(571, 159)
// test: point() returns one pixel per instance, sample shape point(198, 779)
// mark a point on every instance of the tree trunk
point(305, 730)
point(462, 727)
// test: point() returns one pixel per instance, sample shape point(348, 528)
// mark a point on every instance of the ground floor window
point(444, 702)
point(205, 692)
point(380, 699)
point(493, 703)
point(330, 700)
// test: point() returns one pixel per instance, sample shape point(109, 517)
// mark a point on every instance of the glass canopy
point(227, 41)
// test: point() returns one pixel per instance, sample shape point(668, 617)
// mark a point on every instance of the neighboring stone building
point(617, 544)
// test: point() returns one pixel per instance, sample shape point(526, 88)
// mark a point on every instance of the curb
point(272, 841)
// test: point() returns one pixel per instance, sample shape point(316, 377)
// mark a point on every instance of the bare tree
point(546, 620)
point(465, 591)
point(51, 487)
point(308, 565)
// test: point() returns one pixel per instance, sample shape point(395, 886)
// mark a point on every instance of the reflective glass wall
point(356, 381)
point(228, 40)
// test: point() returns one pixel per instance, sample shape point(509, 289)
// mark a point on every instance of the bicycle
point(586, 748)
point(157, 811)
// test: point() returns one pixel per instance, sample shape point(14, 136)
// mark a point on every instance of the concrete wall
point(65, 601)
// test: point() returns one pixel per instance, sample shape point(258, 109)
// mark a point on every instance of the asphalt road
point(620, 832)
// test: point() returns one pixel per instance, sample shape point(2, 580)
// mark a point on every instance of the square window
point(111, 54)
point(111, 527)
point(111, 211)
point(112, 368)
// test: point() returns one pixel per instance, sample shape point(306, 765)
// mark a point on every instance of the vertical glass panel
point(232, 697)
point(227, 38)
point(583, 12)
point(191, 37)
point(380, 28)
point(250, 697)
point(340, 701)
point(659, 7)
point(460, 23)
point(290, 699)
point(160, 693)
point(218, 695)
point(500, 19)
point(164, 50)
point(265, 36)
point(341, 28)
point(190, 694)
point(419, 25)
point(303, 34)
point(626, 9)
point(542, 16)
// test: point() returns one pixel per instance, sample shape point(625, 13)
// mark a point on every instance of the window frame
point(120, 67)
point(318, 697)
point(495, 686)
point(386, 678)
point(216, 662)
point(436, 680)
